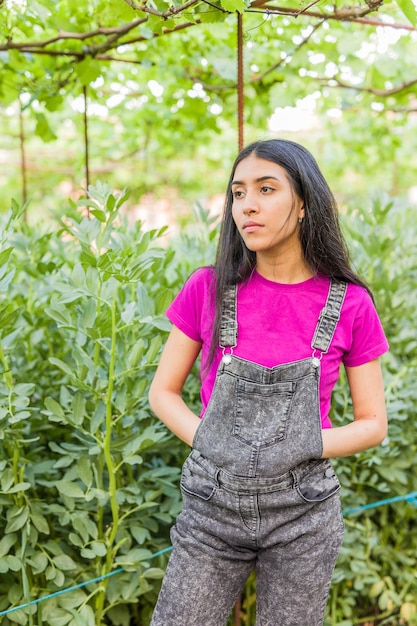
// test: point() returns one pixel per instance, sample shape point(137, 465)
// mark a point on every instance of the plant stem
point(110, 465)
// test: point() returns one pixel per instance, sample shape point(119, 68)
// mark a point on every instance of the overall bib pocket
point(262, 412)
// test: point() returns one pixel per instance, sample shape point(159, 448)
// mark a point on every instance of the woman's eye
point(266, 189)
point(237, 194)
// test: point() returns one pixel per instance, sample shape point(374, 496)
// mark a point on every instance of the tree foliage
point(158, 81)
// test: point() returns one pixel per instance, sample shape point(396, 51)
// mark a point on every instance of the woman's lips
point(250, 226)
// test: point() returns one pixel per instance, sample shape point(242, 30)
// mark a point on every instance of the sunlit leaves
point(408, 7)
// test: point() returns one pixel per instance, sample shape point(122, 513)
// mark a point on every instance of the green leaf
point(78, 275)
point(13, 562)
point(6, 543)
point(78, 407)
point(87, 553)
point(24, 389)
point(54, 408)
point(409, 9)
point(7, 479)
point(73, 599)
point(40, 522)
point(75, 540)
point(20, 487)
point(98, 214)
point(87, 70)
point(6, 280)
point(114, 9)
point(145, 303)
point(39, 562)
point(135, 355)
point(155, 573)
point(85, 527)
point(135, 459)
point(129, 312)
point(43, 128)
point(88, 616)
point(63, 366)
point(17, 518)
point(59, 617)
point(5, 255)
point(154, 348)
point(233, 5)
point(64, 562)
point(99, 548)
point(70, 489)
point(60, 314)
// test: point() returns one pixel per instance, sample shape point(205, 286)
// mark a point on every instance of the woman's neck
point(286, 271)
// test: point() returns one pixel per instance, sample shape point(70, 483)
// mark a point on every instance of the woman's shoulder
point(192, 303)
point(359, 311)
point(358, 295)
point(205, 273)
point(201, 280)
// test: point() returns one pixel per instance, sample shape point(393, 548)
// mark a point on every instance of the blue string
point(410, 497)
point(84, 584)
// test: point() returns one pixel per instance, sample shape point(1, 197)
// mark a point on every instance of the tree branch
point(257, 78)
point(63, 36)
point(351, 14)
point(172, 11)
point(95, 51)
point(113, 35)
point(382, 93)
point(260, 77)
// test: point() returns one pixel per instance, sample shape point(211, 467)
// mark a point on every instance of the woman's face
point(265, 207)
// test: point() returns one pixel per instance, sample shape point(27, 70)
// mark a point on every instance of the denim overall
point(256, 494)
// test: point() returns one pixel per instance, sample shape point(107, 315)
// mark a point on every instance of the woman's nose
point(250, 204)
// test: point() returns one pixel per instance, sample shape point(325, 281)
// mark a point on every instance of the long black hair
point(322, 242)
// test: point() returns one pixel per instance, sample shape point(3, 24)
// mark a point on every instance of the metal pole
point(240, 84)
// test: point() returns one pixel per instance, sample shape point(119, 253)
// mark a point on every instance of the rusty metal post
point(240, 83)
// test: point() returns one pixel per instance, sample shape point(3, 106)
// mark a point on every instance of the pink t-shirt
point(276, 324)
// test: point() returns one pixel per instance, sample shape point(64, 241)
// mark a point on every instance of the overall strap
point(228, 328)
point(329, 317)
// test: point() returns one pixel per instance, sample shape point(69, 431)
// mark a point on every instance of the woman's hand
point(369, 426)
point(177, 359)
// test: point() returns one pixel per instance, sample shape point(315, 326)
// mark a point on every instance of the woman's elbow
point(152, 397)
point(383, 432)
point(161, 399)
point(380, 430)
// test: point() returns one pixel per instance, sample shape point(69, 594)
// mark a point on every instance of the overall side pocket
point(196, 480)
point(318, 482)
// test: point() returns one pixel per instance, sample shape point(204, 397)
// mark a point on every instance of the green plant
point(89, 478)
point(374, 577)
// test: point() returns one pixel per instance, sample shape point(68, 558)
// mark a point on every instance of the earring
point(300, 220)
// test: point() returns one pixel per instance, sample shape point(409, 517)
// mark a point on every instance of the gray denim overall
point(256, 494)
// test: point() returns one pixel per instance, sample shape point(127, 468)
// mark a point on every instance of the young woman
point(274, 319)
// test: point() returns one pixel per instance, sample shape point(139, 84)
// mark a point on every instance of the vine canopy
point(44, 47)
point(165, 73)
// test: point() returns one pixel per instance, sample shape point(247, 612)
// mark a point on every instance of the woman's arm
point(178, 357)
point(369, 426)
